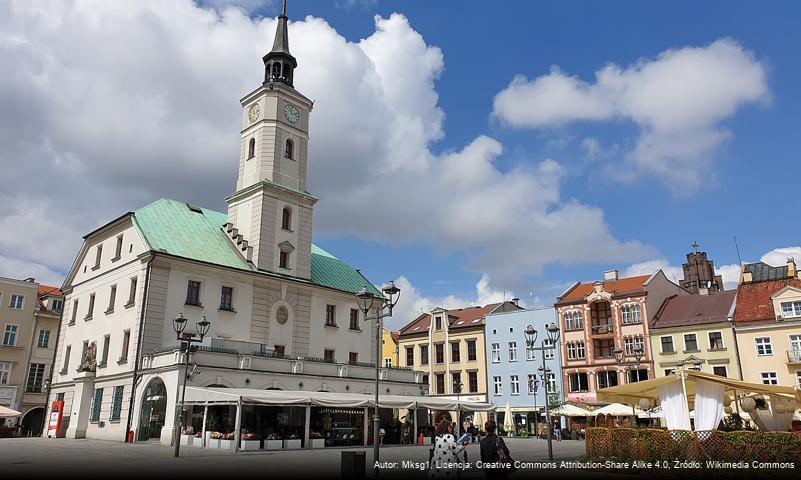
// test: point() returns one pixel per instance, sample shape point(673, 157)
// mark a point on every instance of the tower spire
point(279, 64)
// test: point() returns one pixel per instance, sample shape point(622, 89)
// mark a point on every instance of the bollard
point(354, 464)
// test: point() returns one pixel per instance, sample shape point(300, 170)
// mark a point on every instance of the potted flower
point(187, 436)
point(227, 441)
point(292, 443)
point(213, 440)
point(250, 442)
point(198, 440)
point(317, 440)
point(273, 442)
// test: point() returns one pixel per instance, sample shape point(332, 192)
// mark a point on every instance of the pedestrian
point(445, 460)
point(381, 433)
point(495, 454)
point(558, 434)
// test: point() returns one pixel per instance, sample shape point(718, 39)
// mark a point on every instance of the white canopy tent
point(616, 410)
point(570, 410)
point(6, 412)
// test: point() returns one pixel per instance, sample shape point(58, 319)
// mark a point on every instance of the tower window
point(289, 149)
point(283, 259)
point(286, 219)
point(252, 148)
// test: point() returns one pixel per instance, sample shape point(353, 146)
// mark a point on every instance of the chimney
point(791, 270)
point(516, 301)
point(610, 275)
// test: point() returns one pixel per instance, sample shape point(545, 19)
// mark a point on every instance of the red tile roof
point(46, 290)
point(754, 304)
point(395, 335)
point(458, 318)
point(621, 285)
point(681, 310)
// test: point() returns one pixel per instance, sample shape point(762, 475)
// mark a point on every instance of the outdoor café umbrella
point(570, 410)
point(614, 409)
point(6, 412)
point(508, 423)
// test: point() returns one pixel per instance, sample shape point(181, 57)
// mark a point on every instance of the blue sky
point(523, 145)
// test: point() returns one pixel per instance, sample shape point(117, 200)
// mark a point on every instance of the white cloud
point(778, 256)
point(649, 267)
point(107, 106)
point(677, 100)
point(21, 269)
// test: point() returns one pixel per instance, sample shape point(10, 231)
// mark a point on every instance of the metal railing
point(794, 356)
point(602, 329)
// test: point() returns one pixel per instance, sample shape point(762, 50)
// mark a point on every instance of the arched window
point(276, 70)
point(286, 219)
point(252, 148)
point(289, 149)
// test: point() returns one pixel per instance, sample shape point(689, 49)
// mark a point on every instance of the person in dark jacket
point(489, 451)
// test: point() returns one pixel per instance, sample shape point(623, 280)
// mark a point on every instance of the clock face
point(253, 112)
point(292, 114)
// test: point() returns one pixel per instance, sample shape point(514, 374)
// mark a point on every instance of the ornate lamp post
point(638, 354)
point(534, 386)
point(457, 389)
point(187, 339)
point(552, 332)
point(384, 309)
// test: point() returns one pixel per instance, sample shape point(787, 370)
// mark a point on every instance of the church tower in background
point(699, 273)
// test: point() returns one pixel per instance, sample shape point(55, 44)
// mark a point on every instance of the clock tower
point(270, 214)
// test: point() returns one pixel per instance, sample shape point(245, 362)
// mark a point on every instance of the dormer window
point(791, 309)
point(286, 219)
point(251, 148)
point(289, 149)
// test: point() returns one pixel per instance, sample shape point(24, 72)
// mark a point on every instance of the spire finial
point(283, 9)
point(695, 246)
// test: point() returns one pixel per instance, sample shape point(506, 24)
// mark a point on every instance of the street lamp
point(390, 297)
point(186, 339)
point(533, 387)
point(457, 389)
point(552, 332)
point(638, 354)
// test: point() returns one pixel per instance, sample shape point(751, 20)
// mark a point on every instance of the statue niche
point(89, 361)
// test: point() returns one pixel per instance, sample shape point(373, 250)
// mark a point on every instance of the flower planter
point(273, 444)
point(187, 440)
point(213, 442)
point(317, 443)
point(292, 444)
point(226, 445)
point(250, 445)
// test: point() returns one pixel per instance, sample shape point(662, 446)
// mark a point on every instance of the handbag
point(503, 457)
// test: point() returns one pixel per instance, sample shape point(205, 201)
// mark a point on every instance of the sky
point(470, 151)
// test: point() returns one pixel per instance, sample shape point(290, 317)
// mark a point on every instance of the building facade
point(767, 323)
point(512, 368)
point(283, 311)
point(696, 331)
point(595, 318)
point(389, 348)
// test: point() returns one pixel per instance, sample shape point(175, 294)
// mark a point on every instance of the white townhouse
point(283, 312)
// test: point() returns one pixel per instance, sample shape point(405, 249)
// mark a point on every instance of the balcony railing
point(602, 329)
point(793, 356)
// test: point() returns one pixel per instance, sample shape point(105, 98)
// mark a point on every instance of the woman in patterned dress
point(446, 451)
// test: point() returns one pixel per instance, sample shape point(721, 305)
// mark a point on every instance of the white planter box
point(197, 442)
point(226, 444)
point(317, 442)
point(186, 440)
point(213, 443)
point(250, 445)
point(292, 444)
point(273, 444)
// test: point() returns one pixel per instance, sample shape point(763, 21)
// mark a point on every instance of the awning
point(569, 410)
point(229, 396)
point(6, 412)
point(616, 410)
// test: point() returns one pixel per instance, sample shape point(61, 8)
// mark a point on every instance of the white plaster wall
point(342, 339)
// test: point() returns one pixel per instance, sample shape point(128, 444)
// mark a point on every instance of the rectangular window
point(573, 321)
point(577, 382)
point(279, 349)
point(472, 381)
point(716, 340)
point(440, 383)
point(770, 378)
point(471, 351)
point(791, 309)
point(497, 385)
point(439, 352)
point(104, 358)
point(531, 380)
point(283, 259)
point(97, 404)
point(116, 402)
point(328, 355)
point(126, 340)
point(456, 377)
point(331, 315)
point(118, 249)
point(580, 350)
point(690, 342)
point(455, 353)
point(630, 313)
point(720, 371)
point(112, 299)
point(514, 385)
point(603, 348)
point(91, 310)
point(549, 354)
point(496, 353)
point(132, 293)
point(44, 339)
point(512, 352)
point(438, 323)
point(409, 356)
point(227, 298)
point(606, 379)
point(423, 354)
point(35, 378)
point(66, 362)
point(98, 255)
point(74, 311)
point(5, 373)
point(667, 345)
point(193, 293)
point(763, 346)
point(353, 357)
point(354, 319)
point(628, 345)
point(550, 385)
point(388, 362)
point(56, 304)
point(639, 375)
point(531, 354)
point(425, 380)
point(10, 335)
point(17, 302)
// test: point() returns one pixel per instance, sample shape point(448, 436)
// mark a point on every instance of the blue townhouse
point(512, 368)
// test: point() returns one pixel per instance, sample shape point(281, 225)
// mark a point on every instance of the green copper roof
point(196, 233)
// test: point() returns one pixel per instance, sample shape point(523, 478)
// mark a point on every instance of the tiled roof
point(621, 285)
point(458, 318)
point(171, 227)
point(754, 304)
point(762, 271)
point(681, 310)
point(395, 336)
point(47, 290)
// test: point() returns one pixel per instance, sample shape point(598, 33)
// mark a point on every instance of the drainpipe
point(138, 348)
